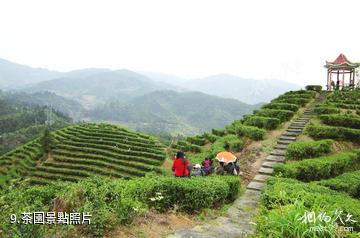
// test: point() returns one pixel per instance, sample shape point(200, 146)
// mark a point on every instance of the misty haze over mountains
point(143, 100)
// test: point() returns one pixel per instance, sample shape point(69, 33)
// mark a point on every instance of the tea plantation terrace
point(80, 151)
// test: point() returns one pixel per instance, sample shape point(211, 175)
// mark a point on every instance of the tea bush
point(331, 132)
point(218, 132)
point(285, 201)
point(210, 137)
point(316, 88)
point(347, 182)
point(326, 110)
point(252, 132)
point(308, 149)
point(321, 167)
point(189, 195)
point(282, 115)
point(341, 120)
point(262, 122)
point(111, 201)
point(297, 101)
point(283, 106)
point(197, 140)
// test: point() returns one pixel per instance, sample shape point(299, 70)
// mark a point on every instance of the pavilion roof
point(341, 62)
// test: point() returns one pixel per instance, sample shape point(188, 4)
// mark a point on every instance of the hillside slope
point(174, 112)
point(23, 117)
point(80, 151)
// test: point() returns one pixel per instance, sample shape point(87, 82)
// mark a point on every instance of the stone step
point(266, 171)
point(284, 142)
point(275, 158)
point(298, 124)
point(294, 130)
point(290, 133)
point(301, 120)
point(260, 178)
point(255, 186)
point(269, 164)
point(296, 127)
point(281, 146)
point(278, 152)
point(292, 138)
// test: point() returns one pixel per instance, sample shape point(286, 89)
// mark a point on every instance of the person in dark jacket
point(180, 165)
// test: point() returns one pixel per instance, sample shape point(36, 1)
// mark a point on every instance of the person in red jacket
point(180, 165)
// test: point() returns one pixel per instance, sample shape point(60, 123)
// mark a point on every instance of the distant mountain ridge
point(181, 112)
point(251, 91)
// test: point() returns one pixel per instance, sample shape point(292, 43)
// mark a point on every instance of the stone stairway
point(239, 221)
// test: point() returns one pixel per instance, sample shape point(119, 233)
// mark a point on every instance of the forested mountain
point(92, 90)
point(21, 121)
point(250, 91)
point(176, 112)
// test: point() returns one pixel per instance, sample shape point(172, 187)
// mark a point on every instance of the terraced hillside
point(83, 150)
point(253, 127)
point(320, 176)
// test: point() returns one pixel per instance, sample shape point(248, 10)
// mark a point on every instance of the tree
point(46, 140)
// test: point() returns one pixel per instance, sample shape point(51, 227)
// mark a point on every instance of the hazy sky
point(288, 40)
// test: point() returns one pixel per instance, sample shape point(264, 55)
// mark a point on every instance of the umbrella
point(226, 157)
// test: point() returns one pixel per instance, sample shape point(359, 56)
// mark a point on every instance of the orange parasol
point(226, 157)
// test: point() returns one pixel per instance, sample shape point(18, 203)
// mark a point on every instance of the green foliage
point(113, 201)
point(46, 141)
point(282, 115)
point(189, 195)
point(218, 132)
point(282, 106)
point(262, 122)
point(347, 182)
point(297, 101)
point(197, 140)
point(252, 132)
point(331, 132)
point(210, 137)
point(326, 110)
point(341, 120)
point(316, 88)
point(285, 202)
point(308, 149)
point(321, 167)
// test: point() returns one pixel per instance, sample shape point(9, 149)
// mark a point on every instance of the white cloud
point(191, 38)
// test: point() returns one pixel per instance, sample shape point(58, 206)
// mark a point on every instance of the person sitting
point(207, 167)
point(197, 171)
point(180, 165)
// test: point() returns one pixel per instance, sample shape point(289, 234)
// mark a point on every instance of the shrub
point(218, 132)
point(189, 195)
point(282, 115)
point(347, 182)
point(320, 168)
point(210, 137)
point(301, 92)
point(331, 132)
point(341, 120)
point(262, 122)
point(326, 110)
point(197, 140)
point(308, 149)
point(229, 142)
point(316, 88)
point(297, 101)
point(252, 132)
point(283, 106)
point(285, 201)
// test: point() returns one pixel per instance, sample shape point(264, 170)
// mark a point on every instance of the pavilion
point(340, 67)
